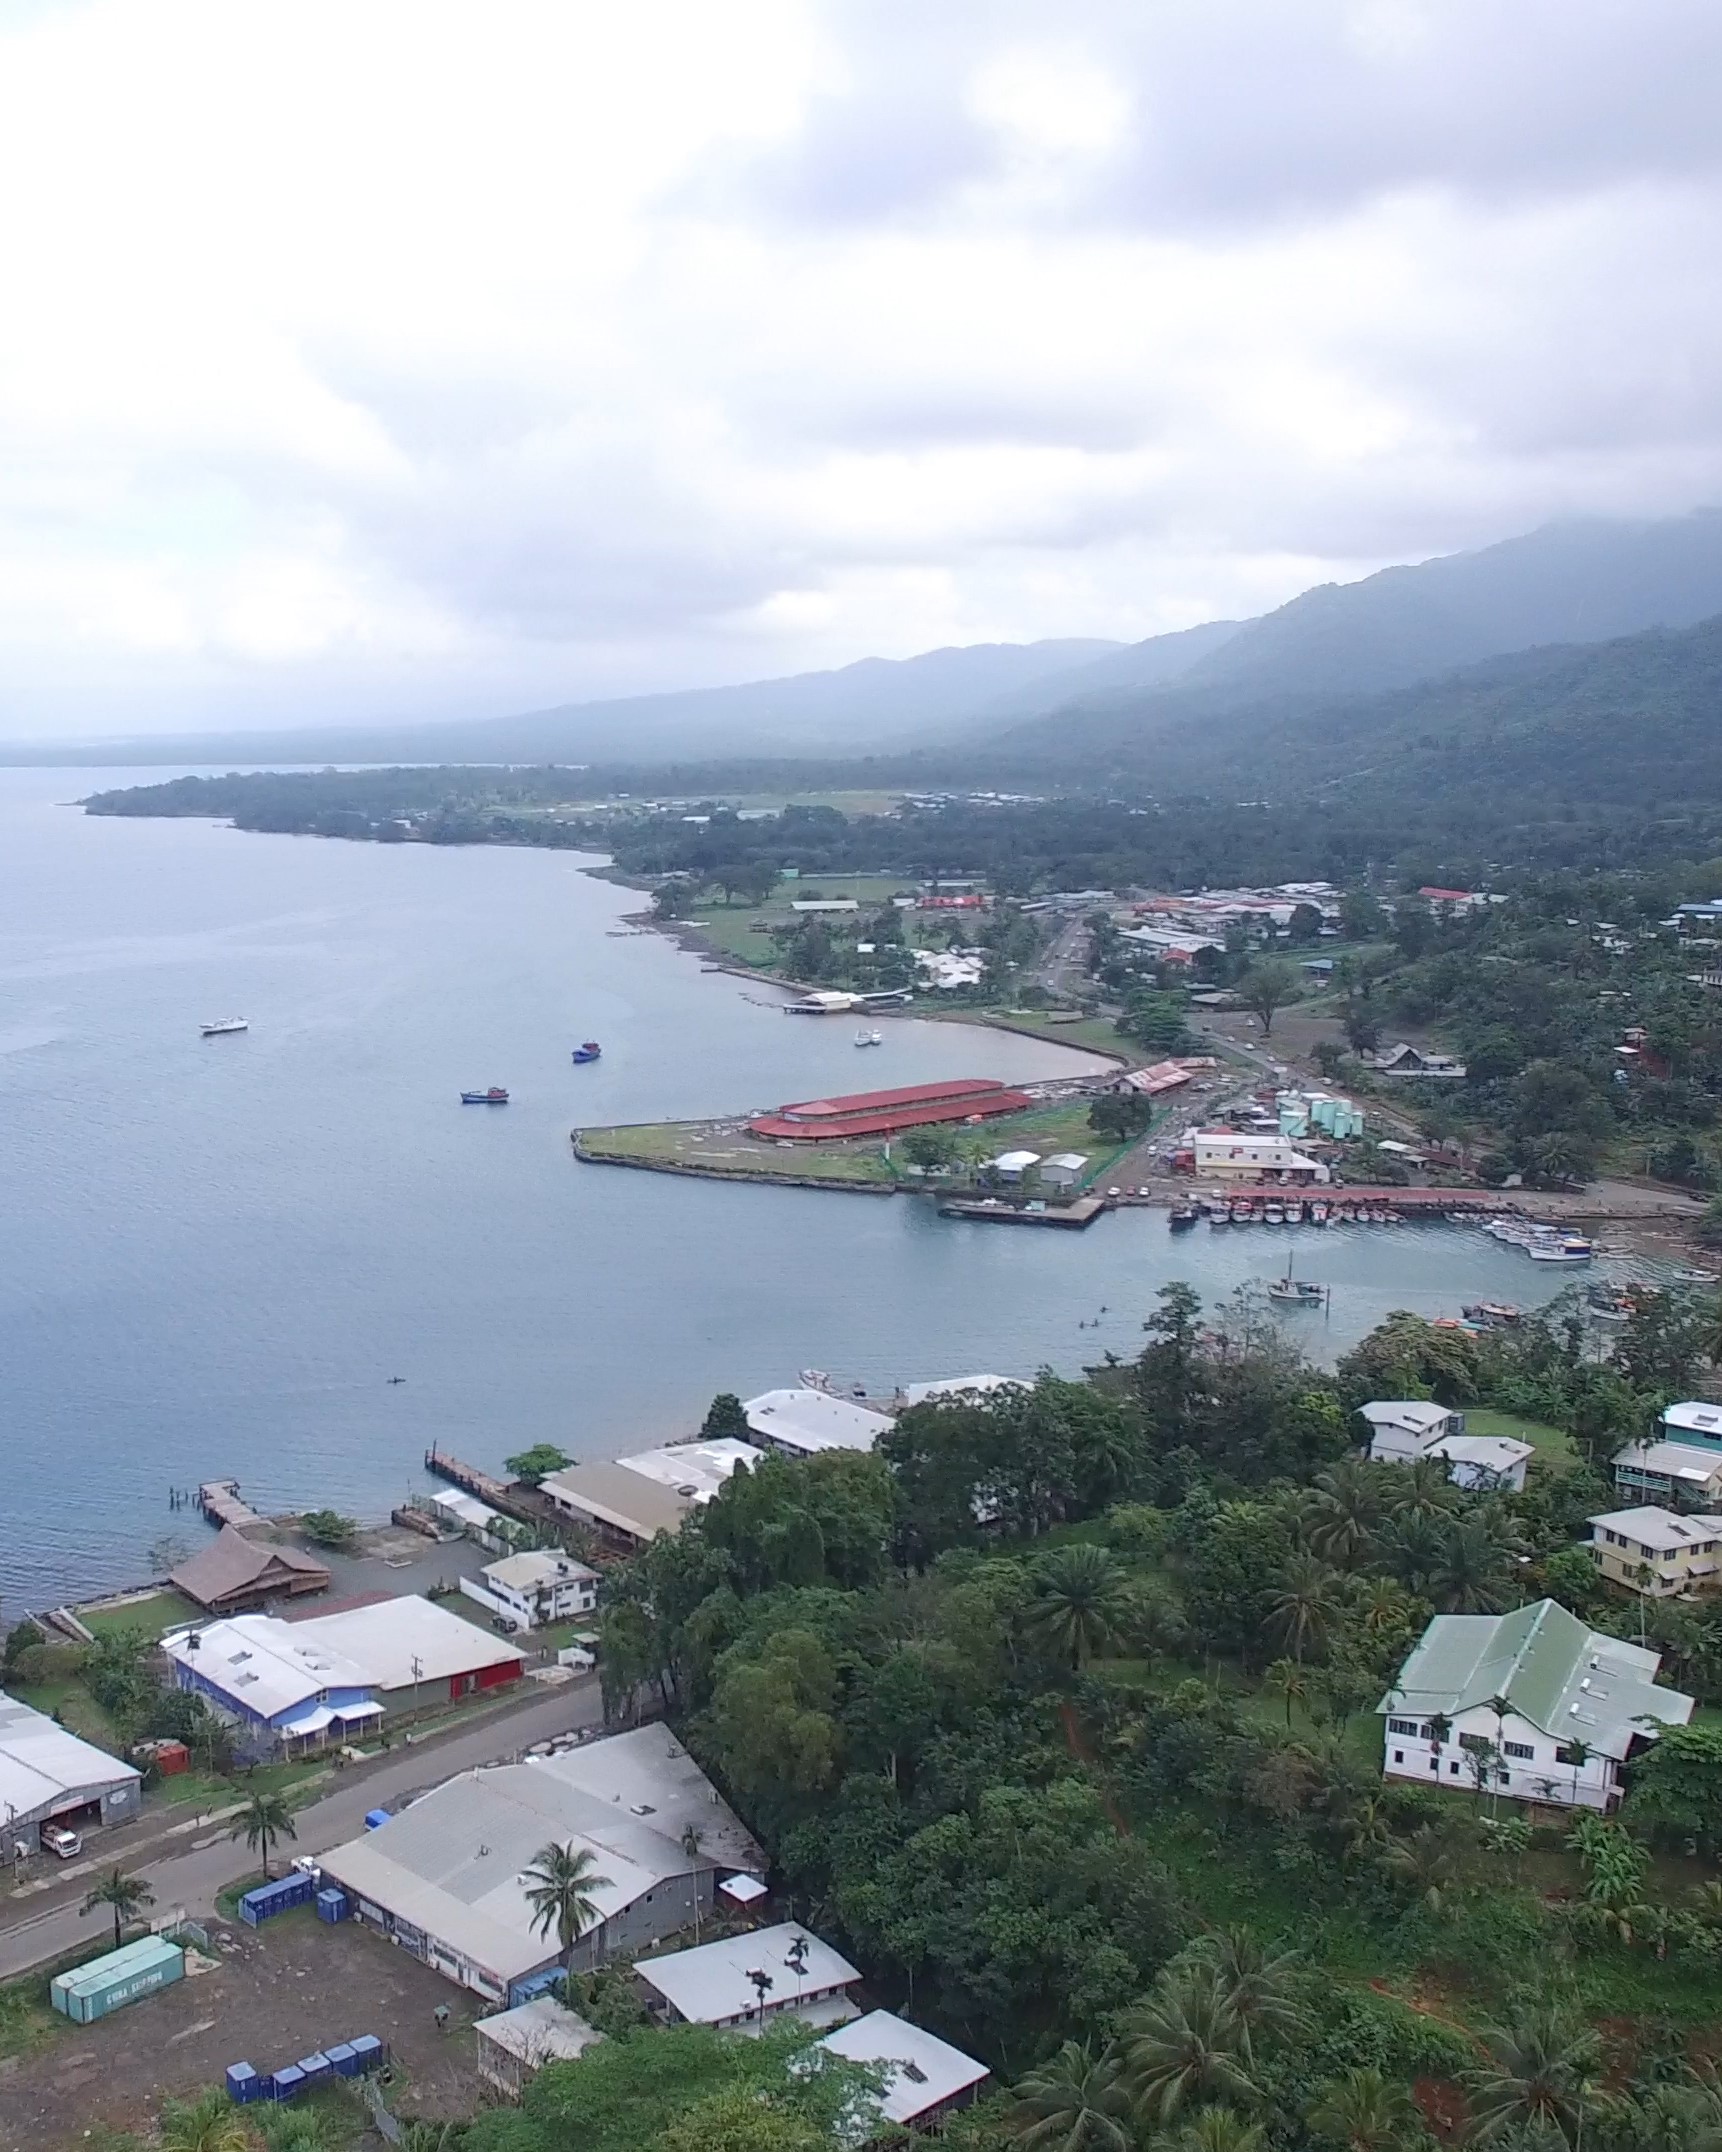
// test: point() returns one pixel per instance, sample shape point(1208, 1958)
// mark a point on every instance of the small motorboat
point(1698, 1277)
point(1273, 1214)
point(224, 1026)
point(1182, 1218)
point(869, 1038)
point(1318, 1214)
point(1243, 1214)
point(495, 1096)
point(587, 1050)
point(1501, 1312)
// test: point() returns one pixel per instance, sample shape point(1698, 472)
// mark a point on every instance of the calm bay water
point(213, 1254)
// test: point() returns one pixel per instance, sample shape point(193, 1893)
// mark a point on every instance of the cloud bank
point(421, 360)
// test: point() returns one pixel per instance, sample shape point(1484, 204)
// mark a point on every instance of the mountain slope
point(1578, 582)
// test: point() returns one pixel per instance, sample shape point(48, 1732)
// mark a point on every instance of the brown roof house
point(235, 1573)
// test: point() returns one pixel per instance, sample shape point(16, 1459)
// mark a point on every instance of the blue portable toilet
point(369, 2051)
point(332, 1905)
point(342, 2060)
point(317, 2068)
point(376, 1818)
point(243, 2084)
point(289, 2079)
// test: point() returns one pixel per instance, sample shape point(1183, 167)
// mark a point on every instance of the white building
point(1680, 1475)
point(50, 1776)
point(514, 2045)
point(695, 1470)
point(1227, 1154)
point(801, 1423)
point(1402, 1430)
point(1064, 1169)
point(446, 1878)
point(957, 1389)
point(714, 1984)
point(927, 2079)
point(1014, 1165)
point(527, 1589)
point(1577, 1706)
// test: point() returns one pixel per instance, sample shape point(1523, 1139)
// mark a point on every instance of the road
point(188, 1881)
point(1063, 968)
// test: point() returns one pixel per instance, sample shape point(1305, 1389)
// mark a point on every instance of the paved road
point(188, 1881)
point(1062, 969)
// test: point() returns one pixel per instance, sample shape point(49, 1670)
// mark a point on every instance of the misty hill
point(1579, 582)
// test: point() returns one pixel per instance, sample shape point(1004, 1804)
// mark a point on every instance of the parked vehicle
point(65, 1845)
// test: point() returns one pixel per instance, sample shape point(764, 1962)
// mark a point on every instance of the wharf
point(1072, 1216)
point(508, 1496)
point(219, 1501)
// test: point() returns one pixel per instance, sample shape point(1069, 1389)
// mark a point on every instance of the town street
point(188, 1882)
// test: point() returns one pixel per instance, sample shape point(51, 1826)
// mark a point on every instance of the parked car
point(56, 1839)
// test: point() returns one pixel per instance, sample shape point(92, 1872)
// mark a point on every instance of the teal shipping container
point(106, 1984)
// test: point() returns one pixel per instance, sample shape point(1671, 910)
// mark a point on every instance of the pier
point(1074, 1216)
point(219, 1502)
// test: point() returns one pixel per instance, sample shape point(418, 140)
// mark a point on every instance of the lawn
point(1554, 1447)
point(155, 1615)
point(1098, 1033)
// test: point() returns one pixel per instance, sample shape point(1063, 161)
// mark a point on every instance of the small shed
point(514, 2045)
point(1013, 1165)
point(1064, 1169)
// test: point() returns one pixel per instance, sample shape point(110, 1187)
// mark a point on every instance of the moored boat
point(223, 1025)
point(587, 1050)
point(1182, 1218)
point(495, 1096)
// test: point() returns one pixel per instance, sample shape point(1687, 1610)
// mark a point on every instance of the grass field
point(1098, 1033)
point(155, 1615)
point(1554, 1447)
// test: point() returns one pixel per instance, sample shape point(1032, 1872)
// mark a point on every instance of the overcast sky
point(386, 358)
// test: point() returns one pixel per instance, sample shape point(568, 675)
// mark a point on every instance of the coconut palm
point(1344, 1513)
point(1084, 1602)
point(1286, 1678)
point(1182, 2046)
point(1255, 1984)
point(1424, 1864)
point(1368, 1833)
point(210, 2123)
point(1306, 1609)
point(1578, 1755)
point(128, 1895)
point(1538, 2074)
point(1470, 1574)
point(1073, 2103)
point(264, 1818)
point(560, 1887)
point(1365, 2112)
point(1422, 1490)
point(1675, 2118)
point(1217, 2129)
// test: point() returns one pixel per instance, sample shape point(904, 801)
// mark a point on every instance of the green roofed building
point(1532, 1703)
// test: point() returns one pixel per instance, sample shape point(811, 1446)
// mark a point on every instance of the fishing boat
point(1560, 1250)
point(1297, 1292)
point(1273, 1214)
point(223, 1025)
point(1182, 1218)
point(587, 1050)
point(1243, 1214)
point(495, 1096)
point(1698, 1277)
point(1501, 1312)
point(1318, 1214)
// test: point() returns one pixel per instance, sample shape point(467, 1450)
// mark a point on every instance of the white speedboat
point(223, 1025)
point(869, 1038)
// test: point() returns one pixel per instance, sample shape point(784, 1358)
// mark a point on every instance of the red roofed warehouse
point(882, 1113)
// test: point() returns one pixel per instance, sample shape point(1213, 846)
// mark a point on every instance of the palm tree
point(560, 1888)
point(1578, 1756)
point(1255, 1985)
point(1344, 1513)
point(1424, 1863)
point(1083, 1602)
point(1422, 1490)
point(692, 1847)
point(1538, 2074)
point(1074, 2103)
point(1181, 2044)
point(264, 1818)
point(1217, 2129)
point(210, 2123)
point(1367, 1831)
point(1305, 1609)
point(1470, 1574)
point(1289, 1680)
point(128, 1895)
point(1364, 2112)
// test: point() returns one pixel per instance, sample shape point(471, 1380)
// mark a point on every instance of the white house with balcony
point(1681, 1466)
point(1533, 1704)
point(528, 1589)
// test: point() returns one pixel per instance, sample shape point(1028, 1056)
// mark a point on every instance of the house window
point(1452, 1770)
point(1565, 1755)
point(1474, 1742)
point(1402, 1726)
point(1399, 1755)
point(1521, 1749)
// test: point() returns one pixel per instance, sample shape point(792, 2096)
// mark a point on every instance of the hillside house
point(1533, 1704)
point(1657, 1553)
point(1403, 1430)
point(528, 1589)
point(1403, 1060)
point(1680, 1468)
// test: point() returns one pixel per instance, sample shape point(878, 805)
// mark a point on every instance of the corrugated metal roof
point(1565, 1679)
point(710, 1983)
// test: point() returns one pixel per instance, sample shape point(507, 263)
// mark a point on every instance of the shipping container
point(108, 1983)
